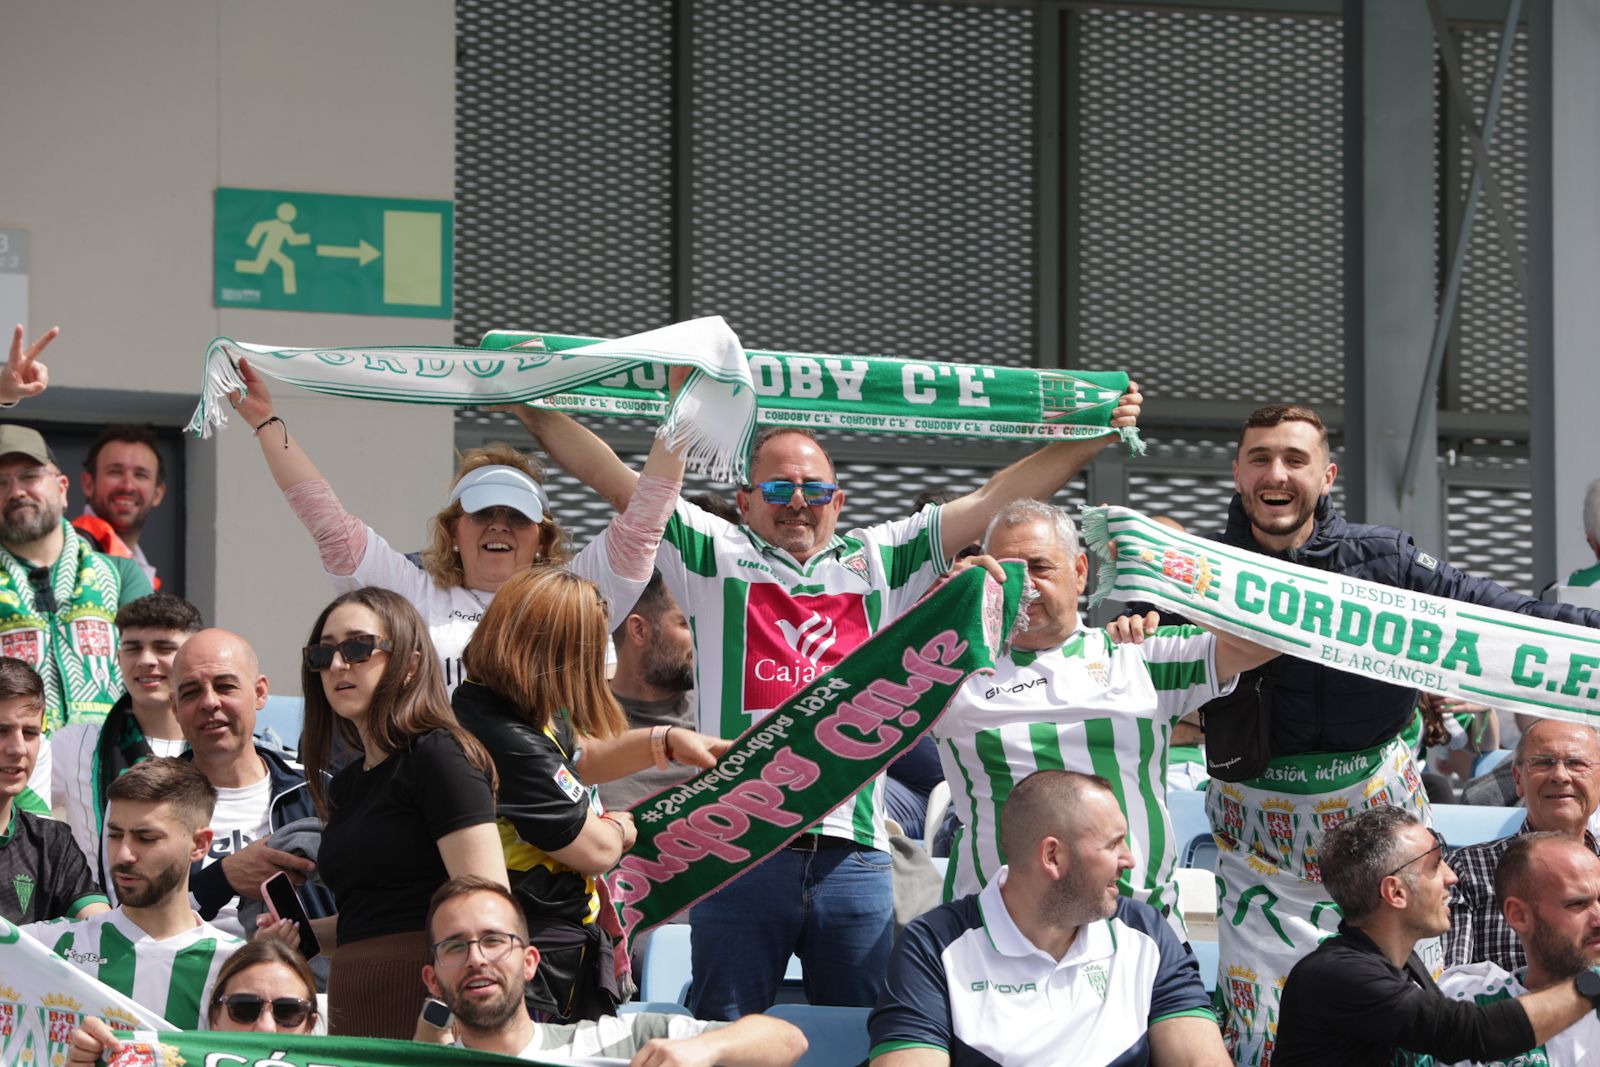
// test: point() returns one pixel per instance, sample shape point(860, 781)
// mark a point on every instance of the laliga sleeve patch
point(569, 784)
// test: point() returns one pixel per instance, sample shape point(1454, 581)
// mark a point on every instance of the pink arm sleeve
point(632, 537)
point(341, 537)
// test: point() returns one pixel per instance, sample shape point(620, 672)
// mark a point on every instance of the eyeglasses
point(245, 1009)
point(493, 947)
point(1578, 768)
point(27, 479)
point(357, 649)
point(781, 492)
point(1438, 846)
point(509, 516)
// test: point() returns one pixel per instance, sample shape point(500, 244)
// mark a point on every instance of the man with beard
point(151, 947)
point(1548, 887)
point(122, 482)
point(653, 683)
point(1049, 963)
point(480, 961)
point(58, 596)
point(1339, 742)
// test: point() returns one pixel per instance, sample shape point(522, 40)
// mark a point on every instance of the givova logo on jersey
point(790, 640)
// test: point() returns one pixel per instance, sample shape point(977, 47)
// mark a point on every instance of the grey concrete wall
point(119, 121)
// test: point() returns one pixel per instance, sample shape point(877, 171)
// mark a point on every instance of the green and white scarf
point(716, 413)
point(1509, 661)
point(74, 648)
point(823, 744)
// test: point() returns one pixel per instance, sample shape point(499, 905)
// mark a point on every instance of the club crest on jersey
point(790, 640)
point(856, 563)
point(1099, 672)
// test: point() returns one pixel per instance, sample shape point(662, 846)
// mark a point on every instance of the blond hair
point(542, 646)
point(441, 560)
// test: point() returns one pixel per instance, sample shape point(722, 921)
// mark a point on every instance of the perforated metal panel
point(865, 176)
point(563, 166)
point(1489, 534)
point(1492, 336)
point(1208, 215)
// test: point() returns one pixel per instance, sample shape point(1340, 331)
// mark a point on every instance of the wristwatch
point(436, 1013)
point(1588, 983)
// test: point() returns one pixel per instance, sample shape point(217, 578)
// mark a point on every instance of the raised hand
point(23, 374)
point(254, 405)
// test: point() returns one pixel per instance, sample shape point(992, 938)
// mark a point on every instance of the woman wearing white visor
point(497, 523)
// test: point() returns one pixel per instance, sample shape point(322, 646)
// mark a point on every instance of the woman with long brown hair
point(415, 808)
point(536, 696)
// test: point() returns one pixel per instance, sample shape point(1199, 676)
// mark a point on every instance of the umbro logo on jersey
point(811, 638)
point(1002, 987)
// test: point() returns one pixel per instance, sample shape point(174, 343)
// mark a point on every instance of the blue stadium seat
point(282, 716)
point(665, 970)
point(1488, 761)
point(837, 1036)
point(1468, 824)
point(1205, 953)
point(1201, 851)
point(1188, 809)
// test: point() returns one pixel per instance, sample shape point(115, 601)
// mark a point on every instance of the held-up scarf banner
point(43, 999)
point(1509, 661)
point(714, 417)
point(823, 744)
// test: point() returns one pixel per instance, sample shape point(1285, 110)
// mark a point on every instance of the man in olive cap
point(58, 597)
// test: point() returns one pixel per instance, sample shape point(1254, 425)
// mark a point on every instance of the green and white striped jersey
point(765, 625)
point(171, 977)
point(1088, 705)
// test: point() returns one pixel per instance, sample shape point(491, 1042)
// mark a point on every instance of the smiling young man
point(42, 876)
point(90, 755)
point(480, 962)
point(218, 687)
point(1549, 888)
point(122, 482)
point(1557, 770)
point(776, 601)
point(1336, 739)
point(152, 947)
point(1364, 997)
point(1049, 963)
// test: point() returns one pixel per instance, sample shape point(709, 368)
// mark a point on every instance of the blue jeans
point(833, 908)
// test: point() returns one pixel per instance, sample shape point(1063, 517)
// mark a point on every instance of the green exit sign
point(360, 255)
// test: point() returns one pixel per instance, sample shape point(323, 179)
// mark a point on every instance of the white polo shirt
point(964, 979)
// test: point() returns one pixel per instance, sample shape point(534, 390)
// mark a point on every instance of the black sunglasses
point(357, 649)
point(1438, 846)
point(245, 1009)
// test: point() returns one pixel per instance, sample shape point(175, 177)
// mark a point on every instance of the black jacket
point(1346, 1005)
point(291, 800)
point(1316, 708)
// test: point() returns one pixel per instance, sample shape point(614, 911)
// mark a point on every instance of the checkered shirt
point(1478, 930)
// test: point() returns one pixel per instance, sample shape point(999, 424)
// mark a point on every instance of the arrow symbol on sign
point(363, 253)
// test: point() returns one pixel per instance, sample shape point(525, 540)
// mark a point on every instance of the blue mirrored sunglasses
point(783, 492)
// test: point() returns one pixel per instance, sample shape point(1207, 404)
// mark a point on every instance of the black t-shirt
point(379, 850)
point(1346, 1005)
point(42, 873)
point(541, 797)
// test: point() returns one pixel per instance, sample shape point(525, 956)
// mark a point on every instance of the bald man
point(217, 688)
point(1048, 957)
point(1548, 887)
point(1557, 771)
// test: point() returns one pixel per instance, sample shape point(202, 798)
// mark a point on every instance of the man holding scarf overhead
point(58, 597)
point(1339, 743)
point(776, 601)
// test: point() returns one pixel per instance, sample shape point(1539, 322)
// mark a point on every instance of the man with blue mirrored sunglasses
point(776, 601)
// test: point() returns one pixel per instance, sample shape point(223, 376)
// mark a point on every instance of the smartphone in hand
point(278, 893)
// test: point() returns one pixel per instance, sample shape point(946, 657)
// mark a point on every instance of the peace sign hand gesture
point(23, 375)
